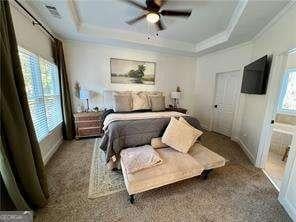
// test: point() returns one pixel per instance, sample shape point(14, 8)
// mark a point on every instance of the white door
point(227, 88)
point(287, 196)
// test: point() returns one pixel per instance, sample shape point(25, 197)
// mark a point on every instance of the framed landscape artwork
point(132, 72)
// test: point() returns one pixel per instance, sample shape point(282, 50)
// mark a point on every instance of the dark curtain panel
point(68, 124)
point(21, 165)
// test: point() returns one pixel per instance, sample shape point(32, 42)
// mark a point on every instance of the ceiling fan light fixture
point(152, 17)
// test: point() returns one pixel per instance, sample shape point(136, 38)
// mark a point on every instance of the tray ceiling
point(212, 24)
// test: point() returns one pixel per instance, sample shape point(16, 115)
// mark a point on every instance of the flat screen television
point(255, 76)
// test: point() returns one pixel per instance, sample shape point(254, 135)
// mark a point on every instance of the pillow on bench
point(179, 135)
point(138, 158)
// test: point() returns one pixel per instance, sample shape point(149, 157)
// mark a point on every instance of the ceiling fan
point(153, 12)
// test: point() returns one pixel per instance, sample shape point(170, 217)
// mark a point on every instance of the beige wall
point(33, 39)
point(207, 67)
point(89, 64)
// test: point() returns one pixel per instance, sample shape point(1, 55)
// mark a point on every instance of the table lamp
point(84, 94)
point(175, 96)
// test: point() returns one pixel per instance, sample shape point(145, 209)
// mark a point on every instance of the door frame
point(290, 165)
point(235, 116)
point(277, 74)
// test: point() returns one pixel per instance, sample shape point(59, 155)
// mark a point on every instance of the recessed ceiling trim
point(74, 13)
point(140, 38)
point(223, 36)
point(275, 19)
point(134, 37)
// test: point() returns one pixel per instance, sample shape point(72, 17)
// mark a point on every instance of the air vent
point(53, 10)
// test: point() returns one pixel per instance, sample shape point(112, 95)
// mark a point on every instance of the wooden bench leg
point(131, 199)
point(206, 174)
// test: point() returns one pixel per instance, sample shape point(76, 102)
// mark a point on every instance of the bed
point(123, 130)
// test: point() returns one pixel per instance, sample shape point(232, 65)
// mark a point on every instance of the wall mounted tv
point(255, 76)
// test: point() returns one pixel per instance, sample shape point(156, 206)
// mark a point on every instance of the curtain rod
point(34, 18)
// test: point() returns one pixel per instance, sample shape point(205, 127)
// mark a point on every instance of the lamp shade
point(84, 94)
point(175, 95)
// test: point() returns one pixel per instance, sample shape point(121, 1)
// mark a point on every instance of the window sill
point(51, 132)
point(290, 113)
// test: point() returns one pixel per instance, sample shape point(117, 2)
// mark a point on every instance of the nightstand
point(180, 110)
point(88, 124)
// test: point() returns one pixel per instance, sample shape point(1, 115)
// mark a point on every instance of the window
point(287, 101)
point(43, 92)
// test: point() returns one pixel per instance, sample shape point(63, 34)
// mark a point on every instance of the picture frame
point(124, 71)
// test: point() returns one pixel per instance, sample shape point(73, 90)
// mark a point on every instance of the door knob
point(272, 121)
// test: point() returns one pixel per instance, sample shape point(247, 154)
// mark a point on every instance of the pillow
point(137, 158)
point(157, 103)
point(181, 119)
point(140, 101)
point(123, 103)
point(153, 93)
point(179, 135)
point(121, 93)
point(156, 143)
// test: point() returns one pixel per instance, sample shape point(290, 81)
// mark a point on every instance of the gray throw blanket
point(131, 133)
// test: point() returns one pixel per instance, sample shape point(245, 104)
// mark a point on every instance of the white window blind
point(43, 92)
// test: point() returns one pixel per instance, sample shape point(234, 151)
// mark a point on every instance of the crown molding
point(275, 19)
point(223, 36)
point(74, 13)
point(140, 38)
point(134, 37)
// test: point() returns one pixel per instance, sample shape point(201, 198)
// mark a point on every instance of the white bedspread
point(142, 115)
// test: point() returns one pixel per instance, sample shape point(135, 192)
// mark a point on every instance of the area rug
point(102, 181)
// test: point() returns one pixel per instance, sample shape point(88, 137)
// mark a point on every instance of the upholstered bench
point(176, 166)
point(209, 159)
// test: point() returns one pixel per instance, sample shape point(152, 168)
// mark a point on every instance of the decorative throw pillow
point(123, 103)
point(140, 101)
point(179, 135)
point(157, 103)
point(181, 119)
point(153, 93)
point(138, 158)
point(157, 143)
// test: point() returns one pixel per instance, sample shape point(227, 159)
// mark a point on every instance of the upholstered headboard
point(108, 97)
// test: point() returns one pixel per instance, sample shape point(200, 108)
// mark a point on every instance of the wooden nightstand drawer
point(91, 123)
point(94, 131)
point(88, 124)
point(86, 118)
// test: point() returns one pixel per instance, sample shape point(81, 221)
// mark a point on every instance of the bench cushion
point(206, 157)
point(176, 166)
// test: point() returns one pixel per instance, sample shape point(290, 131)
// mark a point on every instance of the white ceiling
point(212, 25)
point(216, 15)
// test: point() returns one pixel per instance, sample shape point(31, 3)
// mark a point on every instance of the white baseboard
point(288, 207)
point(245, 149)
point(48, 155)
point(270, 179)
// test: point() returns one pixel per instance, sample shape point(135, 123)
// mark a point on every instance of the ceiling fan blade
point(136, 4)
point(160, 26)
point(137, 19)
point(183, 13)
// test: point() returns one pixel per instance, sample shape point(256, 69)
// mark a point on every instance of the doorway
point(225, 101)
point(284, 124)
point(280, 118)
